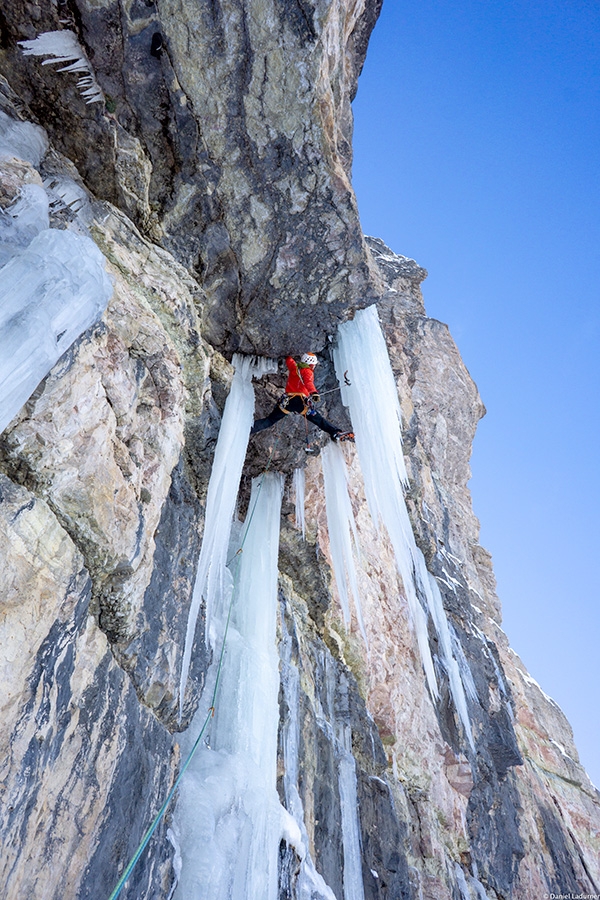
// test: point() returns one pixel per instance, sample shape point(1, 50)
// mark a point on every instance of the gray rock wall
point(231, 146)
point(83, 763)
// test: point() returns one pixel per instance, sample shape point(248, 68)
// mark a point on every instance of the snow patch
point(443, 552)
point(531, 681)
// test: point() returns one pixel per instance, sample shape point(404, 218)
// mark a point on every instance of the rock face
point(74, 732)
point(213, 174)
point(229, 142)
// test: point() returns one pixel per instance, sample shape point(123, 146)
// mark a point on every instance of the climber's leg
point(317, 419)
point(268, 421)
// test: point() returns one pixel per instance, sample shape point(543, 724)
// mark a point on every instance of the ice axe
point(333, 390)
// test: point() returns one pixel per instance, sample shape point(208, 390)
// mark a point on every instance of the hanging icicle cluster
point(64, 47)
point(376, 419)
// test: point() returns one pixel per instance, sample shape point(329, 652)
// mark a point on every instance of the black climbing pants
point(295, 405)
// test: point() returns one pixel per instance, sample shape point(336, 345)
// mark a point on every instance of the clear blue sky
point(477, 153)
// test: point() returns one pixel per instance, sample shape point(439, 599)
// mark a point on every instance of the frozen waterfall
point(432, 593)
point(376, 419)
point(50, 293)
point(229, 818)
point(22, 140)
point(212, 575)
point(353, 876)
point(53, 283)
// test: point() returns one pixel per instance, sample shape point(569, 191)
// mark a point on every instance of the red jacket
point(300, 380)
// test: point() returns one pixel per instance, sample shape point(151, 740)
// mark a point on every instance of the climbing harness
point(211, 710)
point(284, 402)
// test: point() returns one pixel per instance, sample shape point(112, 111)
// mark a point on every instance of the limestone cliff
point(213, 174)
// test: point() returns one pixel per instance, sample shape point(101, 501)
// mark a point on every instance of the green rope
point(156, 821)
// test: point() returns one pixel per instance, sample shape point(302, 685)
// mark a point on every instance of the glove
point(316, 398)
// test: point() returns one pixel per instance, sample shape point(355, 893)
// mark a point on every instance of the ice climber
point(300, 395)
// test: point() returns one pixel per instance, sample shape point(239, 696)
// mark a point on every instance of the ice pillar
point(212, 575)
point(376, 419)
point(229, 817)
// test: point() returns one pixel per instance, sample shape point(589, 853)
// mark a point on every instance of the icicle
point(432, 593)
point(212, 576)
point(65, 48)
point(335, 722)
point(229, 816)
point(466, 676)
point(375, 412)
point(340, 525)
point(310, 885)
point(353, 878)
point(376, 419)
point(50, 293)
point(461, 882)
point(375, 408)
point(299, 491)
point(66, 194)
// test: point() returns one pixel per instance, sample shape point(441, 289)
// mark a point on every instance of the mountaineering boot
point(343, 436)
